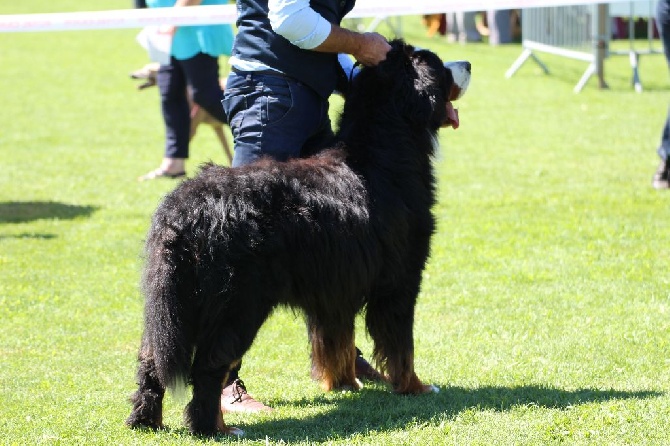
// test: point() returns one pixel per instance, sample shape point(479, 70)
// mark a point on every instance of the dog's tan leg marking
point(233, 364)
point(403, 378)
point(220, 424)
point(227, 430)
point(413, 385)
point(333, 361)
point(327, 383)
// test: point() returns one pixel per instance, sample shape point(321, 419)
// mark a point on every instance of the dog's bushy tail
point(165, 283)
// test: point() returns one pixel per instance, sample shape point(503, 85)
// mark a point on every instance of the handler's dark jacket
point(256, 41)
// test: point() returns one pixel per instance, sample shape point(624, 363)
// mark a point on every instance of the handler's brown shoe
point(235, 398)
point(661, 176)
point(365, 371)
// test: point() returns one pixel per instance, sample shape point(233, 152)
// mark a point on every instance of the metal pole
point(602, 43)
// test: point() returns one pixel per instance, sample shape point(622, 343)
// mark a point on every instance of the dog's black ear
point(398, 60)
point(403, 75)
point(428, 82)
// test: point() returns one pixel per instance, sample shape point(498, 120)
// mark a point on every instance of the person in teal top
point(194, 68)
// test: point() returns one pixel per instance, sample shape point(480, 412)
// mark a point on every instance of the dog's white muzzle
point(460, 71)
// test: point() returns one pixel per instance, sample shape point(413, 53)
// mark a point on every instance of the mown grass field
point(544, 312)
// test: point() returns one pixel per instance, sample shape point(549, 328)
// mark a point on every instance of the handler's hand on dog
point(372, 50)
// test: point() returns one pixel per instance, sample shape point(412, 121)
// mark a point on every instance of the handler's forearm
point(367, 48)
point(341, 40)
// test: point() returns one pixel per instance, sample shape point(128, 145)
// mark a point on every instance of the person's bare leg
point(169, 168)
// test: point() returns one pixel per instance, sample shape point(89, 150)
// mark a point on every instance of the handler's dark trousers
point(201, 74)
point(663, 23)
point(274, 115)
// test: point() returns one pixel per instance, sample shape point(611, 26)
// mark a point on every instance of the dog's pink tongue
point(452, 115)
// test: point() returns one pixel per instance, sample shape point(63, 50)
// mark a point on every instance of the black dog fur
point(345, 229)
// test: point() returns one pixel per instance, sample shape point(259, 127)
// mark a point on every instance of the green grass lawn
point(545, 308)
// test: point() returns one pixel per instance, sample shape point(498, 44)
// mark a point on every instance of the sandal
point(160, 173)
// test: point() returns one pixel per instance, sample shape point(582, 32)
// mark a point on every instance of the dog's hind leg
point(203, 414)
point(148, 399)
point(216, 353)
point(333, 356)
point(391, 328)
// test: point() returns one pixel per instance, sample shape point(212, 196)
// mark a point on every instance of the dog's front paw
point(224, 429)
point(137, 421)
point(357, 385)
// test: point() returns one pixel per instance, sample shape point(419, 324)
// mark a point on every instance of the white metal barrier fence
point(554, 26)
point(637, 9)
point(580, 32)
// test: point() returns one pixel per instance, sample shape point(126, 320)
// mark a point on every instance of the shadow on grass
point(26, 236)
point(380, 410)
point(26, 211)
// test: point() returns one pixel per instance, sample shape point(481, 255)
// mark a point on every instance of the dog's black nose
point(468, 66)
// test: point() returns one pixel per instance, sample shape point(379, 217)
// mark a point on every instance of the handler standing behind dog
point(193, 62)
point(661, 178)
point(284, 68)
